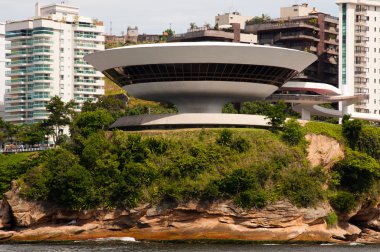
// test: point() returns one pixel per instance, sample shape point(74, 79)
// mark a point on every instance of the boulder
point(323, 151)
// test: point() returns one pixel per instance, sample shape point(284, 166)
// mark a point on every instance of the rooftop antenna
point(110, 27)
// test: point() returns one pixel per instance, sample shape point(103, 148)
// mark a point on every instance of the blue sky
point(154, 16)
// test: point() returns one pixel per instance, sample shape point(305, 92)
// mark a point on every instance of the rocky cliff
point(280, 221)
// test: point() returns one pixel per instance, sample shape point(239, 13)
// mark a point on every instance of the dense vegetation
point(96, 168)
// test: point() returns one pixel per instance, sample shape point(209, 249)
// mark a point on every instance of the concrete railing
point(17, 150)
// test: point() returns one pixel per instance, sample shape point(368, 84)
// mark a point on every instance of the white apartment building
point(2, 61)
point(46, 59)
point(359, 57)
point(225, 20)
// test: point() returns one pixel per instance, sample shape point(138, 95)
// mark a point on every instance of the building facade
point(2, 61)
point(359, 68)
point(226, 20)
point(313, 32)
point(46, 59)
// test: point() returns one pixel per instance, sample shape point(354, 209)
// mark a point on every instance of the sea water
point(128, 244)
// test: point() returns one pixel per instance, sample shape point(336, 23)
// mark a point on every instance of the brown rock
point(323, 151)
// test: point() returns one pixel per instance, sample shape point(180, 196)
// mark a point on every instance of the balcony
point(85, 72)
point(361, 12)
point(18, 45)
point(17, 73)
point(80, 62)
point(42, 60)
point(42, 51)
point(14, 118)
point(85, 45)
point(332, 51)
point(84, 81)
point(361, 74)
point(360, 32)
point(361, 22)
point(16, 108)
point(42, 78)
point(361, 43)
point(16, 91)
point(15, 63)
point(332, 30)
point(19, 54)
point(17, 81)
point(42, 33)
point(41, 69)
point(92, 91)
point(360, 53)
point(360, 64)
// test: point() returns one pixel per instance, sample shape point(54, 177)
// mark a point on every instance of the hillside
point(249, 184)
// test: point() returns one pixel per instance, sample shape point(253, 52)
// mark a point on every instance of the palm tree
point(193, 26)
point(207, 26)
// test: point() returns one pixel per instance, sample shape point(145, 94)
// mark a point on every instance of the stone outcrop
point(323, 151)
point(280, 221)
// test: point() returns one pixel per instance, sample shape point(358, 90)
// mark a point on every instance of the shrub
point(61, 180)
point(358, 172)
point(276, 115)
point(229, 109)
point(211, 191)
point(293, 133)
point(157, 146)
point(369, 141)
point(342, 201)
point(351, 130)
point(240, 144)
point(331, 220)
point(252, 199)
point(87, 123)
point(301, 187)
point(326, 129)
point(238, 181)
point(225, 137)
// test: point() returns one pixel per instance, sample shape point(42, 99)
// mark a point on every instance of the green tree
point(31, 133)
point(369, 141)
point(264, 18)
point(358, 172)
point(276, 115)
point(60, 115)
point(229, 109)
point(111, 104)
point(302, 187)
point(90, 122)
point(351, 130)
point(193, 26)
point(255, 108)
point(293, 132)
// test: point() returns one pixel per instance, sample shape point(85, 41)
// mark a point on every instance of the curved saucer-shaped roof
point(200, 52)
point(206, 74)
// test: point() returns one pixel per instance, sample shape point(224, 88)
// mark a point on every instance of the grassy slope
point(111, 88)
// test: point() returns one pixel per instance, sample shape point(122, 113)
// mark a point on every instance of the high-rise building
point(2, 61)
point(359, 67)
point(46, 59)
point(303, 28)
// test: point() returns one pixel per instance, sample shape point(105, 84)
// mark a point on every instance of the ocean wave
point(123, 239)
point(356, 244)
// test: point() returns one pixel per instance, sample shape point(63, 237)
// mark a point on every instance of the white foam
point(123, 239)
point(356, 244)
